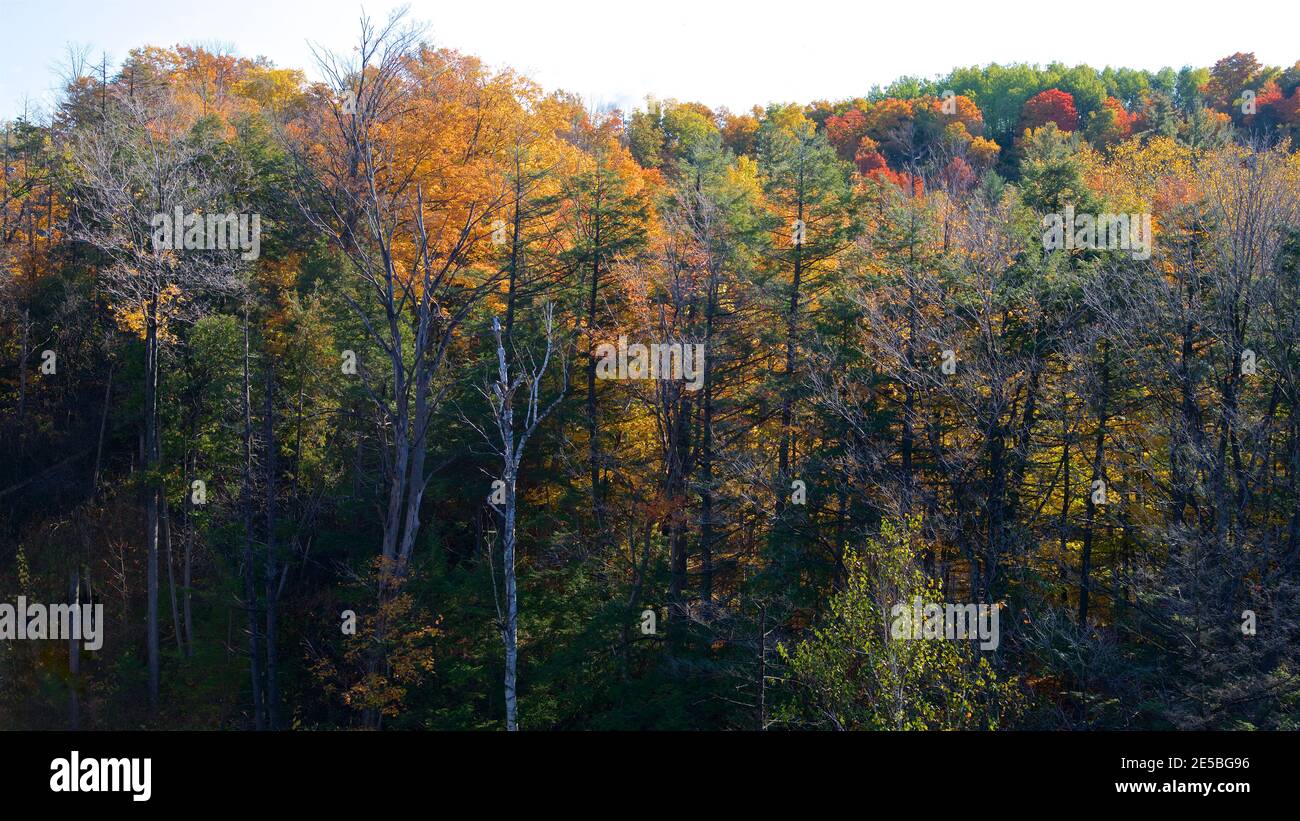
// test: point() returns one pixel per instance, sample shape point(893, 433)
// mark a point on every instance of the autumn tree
point(139, 163)
point(1051, 106)
point(410, 219)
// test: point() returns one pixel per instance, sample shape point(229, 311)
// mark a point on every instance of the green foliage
point(855, 676)
point(1052, 173)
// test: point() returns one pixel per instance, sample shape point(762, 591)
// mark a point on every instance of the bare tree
point(508, 439)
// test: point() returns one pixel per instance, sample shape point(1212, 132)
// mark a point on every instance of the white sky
point(719, 52)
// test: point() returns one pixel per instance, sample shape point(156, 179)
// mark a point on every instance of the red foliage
point(868, 158)
point(957, 175)
point(1268, 97)
point(1270, 94)
point(1050, 106)
point(1124, 121)
point(871, 165)
point(902, 181)
point(1287, 109)
point(845, 132)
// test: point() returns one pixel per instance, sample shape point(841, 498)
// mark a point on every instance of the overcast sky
point(719, 52)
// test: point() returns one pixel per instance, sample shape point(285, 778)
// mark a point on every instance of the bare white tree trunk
point(509, 445)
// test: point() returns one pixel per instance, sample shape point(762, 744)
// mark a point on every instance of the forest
point(418, 396)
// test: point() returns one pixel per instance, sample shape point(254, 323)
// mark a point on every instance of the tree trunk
point(787, 395)
point(74, 652)
point(706, 451)
point(99, 442)
point(246, 502)
point(151, 495)
point(271, 570)
point(511, 632)
point(186, 573)
point(1085, 561)
point(171, 575)
point(593, 431)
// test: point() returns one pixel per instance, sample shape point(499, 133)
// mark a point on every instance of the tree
point(810, 201)
point(509, 444)
point(1228, 78)
point(608, 220)
point(855, 675)
point(1050, 106)
point(1109, 125)
point(135, 165)
point(411, 253)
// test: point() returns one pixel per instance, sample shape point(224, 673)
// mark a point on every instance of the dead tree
point(508, 439)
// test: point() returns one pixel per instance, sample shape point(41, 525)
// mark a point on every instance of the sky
point(736, 53)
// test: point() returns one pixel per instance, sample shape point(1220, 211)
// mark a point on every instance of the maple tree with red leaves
point(1050, 106)
point(846, 132)
point(868, 159)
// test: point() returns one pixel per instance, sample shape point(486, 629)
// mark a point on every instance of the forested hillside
point(385, 452)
